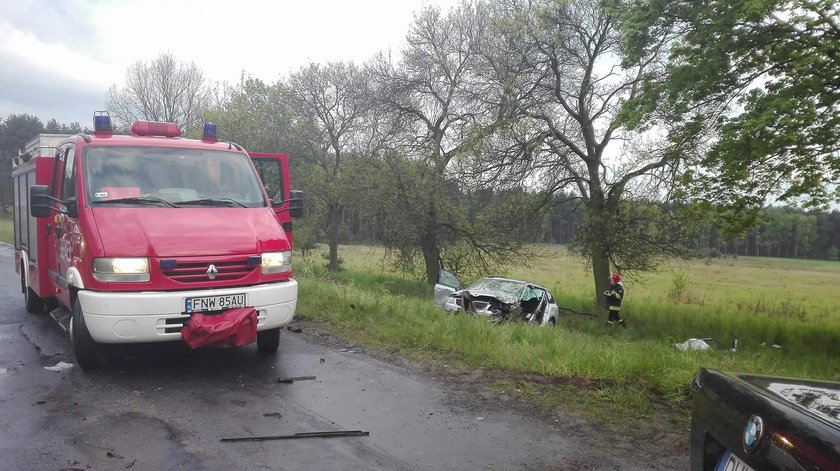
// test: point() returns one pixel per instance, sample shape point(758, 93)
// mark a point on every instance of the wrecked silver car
point(497, 298)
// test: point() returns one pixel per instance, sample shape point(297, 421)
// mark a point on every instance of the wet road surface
point(164, 407)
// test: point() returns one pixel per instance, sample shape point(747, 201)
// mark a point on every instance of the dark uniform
point(614, 297)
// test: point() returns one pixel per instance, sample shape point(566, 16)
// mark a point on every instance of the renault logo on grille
point(211, 272)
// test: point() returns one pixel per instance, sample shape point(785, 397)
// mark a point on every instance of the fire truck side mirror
point(296, 203)
point(39, 201)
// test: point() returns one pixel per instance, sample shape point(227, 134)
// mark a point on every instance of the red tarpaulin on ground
point(232, 328)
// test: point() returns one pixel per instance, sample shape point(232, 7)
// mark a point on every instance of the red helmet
point(615, 277)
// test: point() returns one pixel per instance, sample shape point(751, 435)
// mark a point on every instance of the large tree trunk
point(332, 236)
point(600, 258)
point(429, 247)
point(431, 257)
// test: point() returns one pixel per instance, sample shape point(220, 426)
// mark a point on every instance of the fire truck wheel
point(34, 303)
point(89, 354)
point(268, 340)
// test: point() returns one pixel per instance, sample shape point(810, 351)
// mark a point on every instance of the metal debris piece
point(292, 379)
point(339, 433)
point(111, 454)
point(272, 414)
point(60, 366)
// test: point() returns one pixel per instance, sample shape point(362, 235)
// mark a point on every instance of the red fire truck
point(126, 238)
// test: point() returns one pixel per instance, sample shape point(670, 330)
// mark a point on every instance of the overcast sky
point(59, 57)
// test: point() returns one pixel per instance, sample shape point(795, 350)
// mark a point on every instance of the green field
point(761, 301)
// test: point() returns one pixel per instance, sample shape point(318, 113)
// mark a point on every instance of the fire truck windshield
point(180, 176)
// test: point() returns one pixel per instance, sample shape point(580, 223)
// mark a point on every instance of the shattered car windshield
point(510, 287)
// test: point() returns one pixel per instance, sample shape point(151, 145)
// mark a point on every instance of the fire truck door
point(274, 173)
point(65, 228)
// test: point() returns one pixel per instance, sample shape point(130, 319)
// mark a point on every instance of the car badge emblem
point(753, 433)
point(211, 272)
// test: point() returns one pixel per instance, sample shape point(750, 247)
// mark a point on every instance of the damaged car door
point(447, 284)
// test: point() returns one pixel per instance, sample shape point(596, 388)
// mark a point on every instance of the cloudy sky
point(59, 57)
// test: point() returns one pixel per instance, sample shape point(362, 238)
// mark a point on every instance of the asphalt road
point(164, 407)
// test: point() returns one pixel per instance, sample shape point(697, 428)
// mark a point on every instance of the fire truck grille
point(194, 271)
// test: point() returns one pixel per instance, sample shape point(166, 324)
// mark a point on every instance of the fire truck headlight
point(121, 270)
point(276, 262)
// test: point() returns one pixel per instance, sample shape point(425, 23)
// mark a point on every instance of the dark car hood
point(821, 398)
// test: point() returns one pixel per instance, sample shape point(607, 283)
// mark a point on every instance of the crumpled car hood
point(503, 297)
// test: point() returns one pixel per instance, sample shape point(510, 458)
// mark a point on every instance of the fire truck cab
point(126, 237)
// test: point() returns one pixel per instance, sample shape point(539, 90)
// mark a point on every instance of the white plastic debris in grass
point(692, 344)
point(60, 366)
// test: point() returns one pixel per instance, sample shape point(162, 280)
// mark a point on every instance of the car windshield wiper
point(213, 202)
point(139, 200)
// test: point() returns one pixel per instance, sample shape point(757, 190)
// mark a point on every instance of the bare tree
point(561, 64)
point(161, 90)
point(443, 109)
point(330, 100)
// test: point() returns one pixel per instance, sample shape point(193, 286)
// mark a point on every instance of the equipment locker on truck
point(129, 238)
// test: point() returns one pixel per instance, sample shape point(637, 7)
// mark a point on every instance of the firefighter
point(614, 297)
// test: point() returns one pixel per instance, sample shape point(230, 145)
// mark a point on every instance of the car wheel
point(34, 303)
point(89, 353)
point(268, 340)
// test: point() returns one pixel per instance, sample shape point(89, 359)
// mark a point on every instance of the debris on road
point(111, 454)
point(60, 366)
point(339, 433)
point(272, 414)
point(294, 329)
point(292, 379)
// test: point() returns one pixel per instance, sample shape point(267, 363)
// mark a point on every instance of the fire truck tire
point(89, 354)
point(34, 303)
point(268, 340)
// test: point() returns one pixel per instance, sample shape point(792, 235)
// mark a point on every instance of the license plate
point(215, 303)
point(730, 462)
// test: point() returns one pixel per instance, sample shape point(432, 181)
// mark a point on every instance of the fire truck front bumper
point(158, 316)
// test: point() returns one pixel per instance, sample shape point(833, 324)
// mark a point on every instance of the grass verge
point(615, 376)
